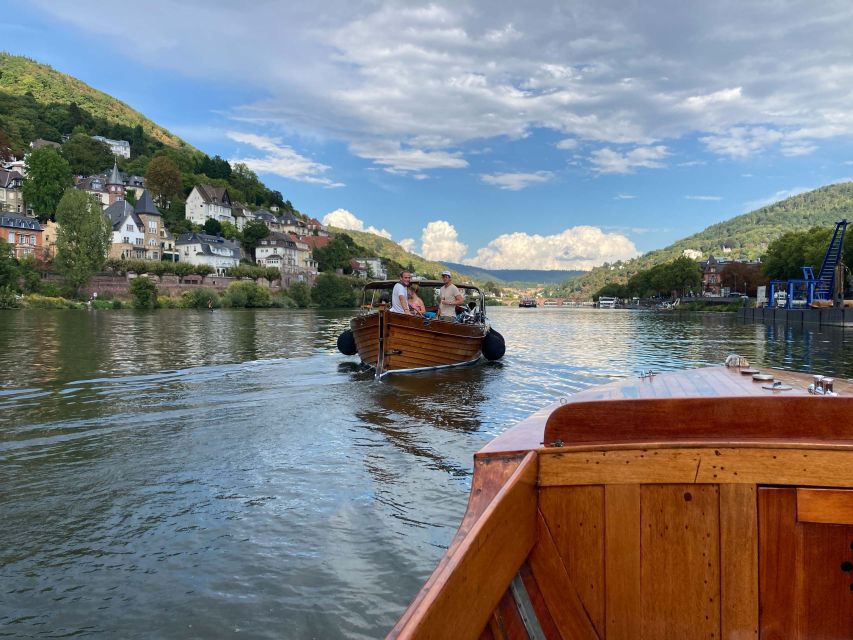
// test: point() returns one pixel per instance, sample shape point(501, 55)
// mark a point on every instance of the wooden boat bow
point(690, 504)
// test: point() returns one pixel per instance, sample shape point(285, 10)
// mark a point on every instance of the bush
point(167, 302)
point(36, 301)
point(117, 304)
point(103, 304)
point(246, 294)
point(198, 298)
point(8, 298)
point(281, 301)
point(51, 290)
point(331, 291)
point(300, 293)
point(144, 293)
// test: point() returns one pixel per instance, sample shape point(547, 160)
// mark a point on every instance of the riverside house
point(128, 239)
point(215, 251)
point(206, 202)
point(23, 234)
point(11, 197)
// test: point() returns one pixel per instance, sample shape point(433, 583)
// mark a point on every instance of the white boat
point(606, 302)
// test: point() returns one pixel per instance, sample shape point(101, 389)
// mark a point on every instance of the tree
point(144, 293)
point(85, 155)
point(253, 233)
point(5, 146)
point(300, 293)
point(163, 178)
point(229, 230)
point(212, 226)
point(9, 268)
point(83, 237)
point(48, 176)
point(336, 254)
point(332, 291)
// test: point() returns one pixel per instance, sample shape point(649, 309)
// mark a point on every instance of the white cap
point(446, 273)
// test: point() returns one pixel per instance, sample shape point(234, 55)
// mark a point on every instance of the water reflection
point(234, 470)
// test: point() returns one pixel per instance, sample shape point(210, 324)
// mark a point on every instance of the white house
point(371, 268)
point(201, 248)
point(278, 250)
point(128, 240)
point(117, 147)
point(206, 202)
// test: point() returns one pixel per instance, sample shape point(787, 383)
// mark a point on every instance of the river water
point(181, 474)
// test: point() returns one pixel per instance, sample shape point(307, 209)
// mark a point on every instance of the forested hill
point(516, 276)
point(21, 76)
point(390, 250)
point(746, 236)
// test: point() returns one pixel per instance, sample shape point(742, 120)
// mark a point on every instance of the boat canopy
point(389, 284)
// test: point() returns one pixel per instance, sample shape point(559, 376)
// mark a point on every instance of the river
point(182, 474)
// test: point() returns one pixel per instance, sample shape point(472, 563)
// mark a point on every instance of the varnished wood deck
point(687, 505)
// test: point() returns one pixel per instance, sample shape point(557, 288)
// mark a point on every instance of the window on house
point(152, 226)
point(11, 237)
point(126, 240)
point(129, 227)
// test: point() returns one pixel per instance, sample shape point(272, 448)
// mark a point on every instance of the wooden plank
point(680, 561)
point(575, 518)
point(459, 601)
point(506, 623)
point(827, 467)
point(826, 605)
point(546, 620)
point(557, 589)
point(705, 419)
point(622, 560)
point(739, 561)
point(778, 545)
point(828, 506)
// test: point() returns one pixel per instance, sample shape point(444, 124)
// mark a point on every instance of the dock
point(835, 317)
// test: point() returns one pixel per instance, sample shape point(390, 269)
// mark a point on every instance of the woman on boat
point(415, 302)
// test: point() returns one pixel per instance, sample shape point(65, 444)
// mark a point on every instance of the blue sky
point(549, 135)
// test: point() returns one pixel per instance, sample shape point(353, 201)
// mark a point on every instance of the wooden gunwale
point(492, 552)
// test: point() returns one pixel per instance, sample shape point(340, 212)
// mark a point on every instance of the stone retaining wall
point(111, 285)
point(826, 317)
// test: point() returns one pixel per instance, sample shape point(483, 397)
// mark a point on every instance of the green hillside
point(21, 76)
point(747, 235)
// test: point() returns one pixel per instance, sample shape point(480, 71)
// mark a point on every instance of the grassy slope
point(19, 75)
point(747, 235)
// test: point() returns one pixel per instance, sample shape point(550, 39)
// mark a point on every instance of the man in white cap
point(449, 298)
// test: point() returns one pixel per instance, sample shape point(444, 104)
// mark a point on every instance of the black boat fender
point(346, 343)
point(494, 346)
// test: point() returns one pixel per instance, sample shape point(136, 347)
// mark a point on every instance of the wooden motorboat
point(527, 303)
point(694, 504)
point(398, 343)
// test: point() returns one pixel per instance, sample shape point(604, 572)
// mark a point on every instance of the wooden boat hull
point(686, 505)
point(397, 343)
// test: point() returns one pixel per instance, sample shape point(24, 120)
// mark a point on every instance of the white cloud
point(344, 219)
point(516, 181)
point(430, 78)
point(708, 198)
point(408, 244)
point(624, 196)
point(567, 144)
point(281, 160)
point(718, 97)
point(610, 161)
point(581, 247)
point(440, 241)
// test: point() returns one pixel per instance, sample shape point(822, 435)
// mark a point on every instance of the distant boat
point(527, 303)
point(606, 302)
point(691, 504)
point(398, 343)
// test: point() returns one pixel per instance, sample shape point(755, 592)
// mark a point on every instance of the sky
point(538, 135)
